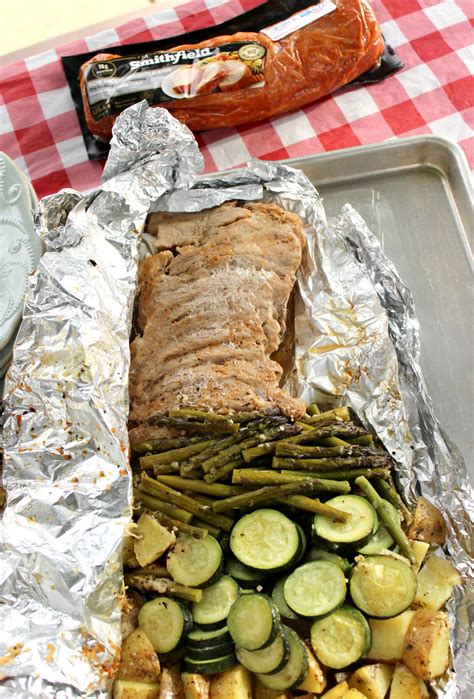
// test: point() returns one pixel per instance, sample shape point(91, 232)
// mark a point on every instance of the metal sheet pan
point(416, 196)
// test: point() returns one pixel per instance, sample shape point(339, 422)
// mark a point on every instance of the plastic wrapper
point(273, 59)
point(356, 342)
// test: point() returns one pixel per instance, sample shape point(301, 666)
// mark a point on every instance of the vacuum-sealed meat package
point(266, 62)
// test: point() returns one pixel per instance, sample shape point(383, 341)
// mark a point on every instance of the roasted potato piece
point(372, 681)
point(428, 523)
point(354, 694)
point(153, 541)
point(436, 581)
point(406, 686)
point(315, 680)
point(261, 692)
point(232, 684)
point(129, 620)
point(171, 686)
point(127, 689)
point(128, 551)
point(139, 661)
point(196, 686)
point(388, 636)
point(340, 690)
point(426, 649)
point(420, 549)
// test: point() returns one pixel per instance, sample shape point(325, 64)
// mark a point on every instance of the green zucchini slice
point(362, 524)
point(266, 540)
point(166, 622)
point(295, 670)
point(212, 610)
point(382, 586)
point(340, 638)
point(315, 588)
point(269, 660)
point(195, 562)
point(253, 621)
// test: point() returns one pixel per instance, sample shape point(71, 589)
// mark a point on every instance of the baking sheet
point(416, 197)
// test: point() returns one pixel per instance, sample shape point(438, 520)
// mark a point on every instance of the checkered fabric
point(433, 94)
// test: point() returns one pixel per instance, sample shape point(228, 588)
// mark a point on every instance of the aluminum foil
point(356, 343)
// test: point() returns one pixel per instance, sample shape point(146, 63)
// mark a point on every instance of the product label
point(300, 19)
point(112, 85)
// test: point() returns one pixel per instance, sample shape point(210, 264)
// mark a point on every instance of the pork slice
point(173, 230)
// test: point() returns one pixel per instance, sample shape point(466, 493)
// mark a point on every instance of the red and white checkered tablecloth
point(434, 93)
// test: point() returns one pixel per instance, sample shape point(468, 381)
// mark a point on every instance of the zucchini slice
point(294, 671)
point(269, 660)
point(198, 638)
point(340, 638)
point(315, 588)
point(253, 621)
point(265, 539)
point(362, 524)
point(316, 554)
point(279, 600)
point(210, 667)
point(382, 586)
point(247, 578)
point(166, 622)
point(195, 562)
point(215, 604)
point(210, 652)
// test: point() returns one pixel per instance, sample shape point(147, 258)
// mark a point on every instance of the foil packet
point(66, 401)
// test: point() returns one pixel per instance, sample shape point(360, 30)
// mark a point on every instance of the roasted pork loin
point(211, 310)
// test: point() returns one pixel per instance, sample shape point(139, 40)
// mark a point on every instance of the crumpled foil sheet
point(356, 343)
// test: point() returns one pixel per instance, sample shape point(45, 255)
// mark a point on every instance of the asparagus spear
point(218, 473)
point(335, 414)
point(264, 435)
point(264, 449)
point(149, 485)
point(251, 477)
point(300, 450)
point(213, 531)
point(197, 486)
point(163, 586)
point(193, 426)
point(155, 569)
point(262, 495)
point(341, 429)
point(387, 490)
point(156, 504)
point(164, 469)
point(218, 446)
point(170, 523)
point(313, 409)
point(159, 445)
point(335, 463)
point(387, 518)
point(201, 415)
point(301, 502)
point(346, 474)
point(173, 456)
point(365, 440)
point(332, 442)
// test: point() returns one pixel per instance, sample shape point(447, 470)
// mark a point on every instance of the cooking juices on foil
point(356, 343)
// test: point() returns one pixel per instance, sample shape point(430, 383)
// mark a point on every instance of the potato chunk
point(153, 541)
point(196, 686)
point(315, 680)
point(340, 690)
point(127, 689)
point(354, 694)
point(232, 684)
point(406, 686)
point(426, 651)
point(261, 692)
point(428, 523)
point(388, 636)
point(372, 681)
point(171, 686)
point(420, 549)
point(436, 581)
point(139, 661)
